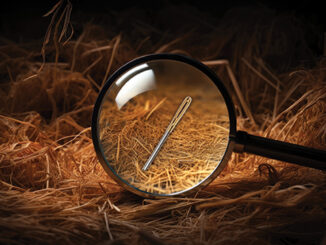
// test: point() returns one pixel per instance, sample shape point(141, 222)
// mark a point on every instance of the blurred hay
point(53, 190)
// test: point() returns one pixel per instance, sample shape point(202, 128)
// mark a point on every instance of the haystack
point(53, 189)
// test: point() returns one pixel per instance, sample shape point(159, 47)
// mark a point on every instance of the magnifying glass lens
point(169, 116)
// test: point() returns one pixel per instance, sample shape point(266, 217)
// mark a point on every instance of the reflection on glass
point(136, 81)
point(136, 112)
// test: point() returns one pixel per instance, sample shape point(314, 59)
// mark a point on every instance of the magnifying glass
point(165, 125)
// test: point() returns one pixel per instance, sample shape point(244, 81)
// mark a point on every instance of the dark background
point(23, 19)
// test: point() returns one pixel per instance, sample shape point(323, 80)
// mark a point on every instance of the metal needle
point(175, 120)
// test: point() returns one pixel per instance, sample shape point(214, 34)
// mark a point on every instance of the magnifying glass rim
point(174, 57)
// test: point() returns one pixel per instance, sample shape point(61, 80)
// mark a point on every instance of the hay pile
point(53, 189)
point(192, 151)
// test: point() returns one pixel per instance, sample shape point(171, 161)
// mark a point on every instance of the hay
point(191, 153)
point(53, 190)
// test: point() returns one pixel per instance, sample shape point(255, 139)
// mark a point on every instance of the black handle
point(279, 150)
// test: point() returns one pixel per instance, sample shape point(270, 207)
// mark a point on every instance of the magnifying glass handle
point(279, 150)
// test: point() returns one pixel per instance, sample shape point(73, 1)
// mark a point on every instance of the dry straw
point(53, 189)
point(192, 151)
